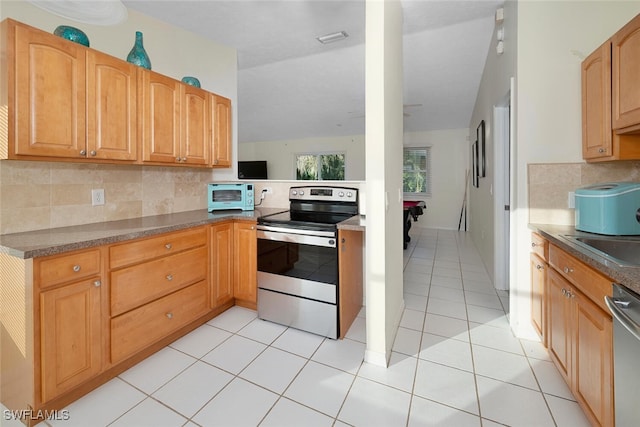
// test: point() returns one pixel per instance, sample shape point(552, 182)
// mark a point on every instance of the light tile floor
point(454, 363)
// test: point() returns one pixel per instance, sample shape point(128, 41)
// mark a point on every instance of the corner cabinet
point(222, 237)
point(221, 131)
point(580, 333)
point(245, 264)
point(611, 98)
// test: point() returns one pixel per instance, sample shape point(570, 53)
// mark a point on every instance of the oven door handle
point(327, 242)
point(289, 230)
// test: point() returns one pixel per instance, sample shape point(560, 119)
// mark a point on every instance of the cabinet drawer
point(139, 284)
point(139, 328)
point(540, 246)
point(67, 268)
point(587, 280)
point(166, 244)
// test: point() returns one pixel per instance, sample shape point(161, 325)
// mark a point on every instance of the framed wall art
point(480, 138)
point(475, 169)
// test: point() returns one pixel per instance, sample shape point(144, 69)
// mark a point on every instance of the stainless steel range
point(298, 259)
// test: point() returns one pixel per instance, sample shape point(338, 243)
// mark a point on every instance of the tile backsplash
point(550, 184)
point(38, 195)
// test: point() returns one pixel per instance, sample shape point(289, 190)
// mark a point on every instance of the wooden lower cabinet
point(221, 264)
point(580, 342)
point(538, 268)
point(245, 264)
point(350, 264)
point(137, 329)
point(71, 336)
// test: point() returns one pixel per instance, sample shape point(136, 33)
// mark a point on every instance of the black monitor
point(256, 169)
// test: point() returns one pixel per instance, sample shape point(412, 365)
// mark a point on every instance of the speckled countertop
point(627, 276)
point(355, 223)
point(33, 244)
point(52, 241)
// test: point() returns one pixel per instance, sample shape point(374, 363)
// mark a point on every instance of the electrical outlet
point(97, 197)
point(268, 190)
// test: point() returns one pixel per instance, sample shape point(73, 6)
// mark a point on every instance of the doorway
point(502, 184)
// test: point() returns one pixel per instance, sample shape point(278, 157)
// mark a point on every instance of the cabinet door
point(70, 325)
point(196, 126)
point(111, 108)
point(538, 284)
point(593, 366)
point(49, 95)
point(161, 118)
point(222, 264)
point(221, 132)
point(626, 69)
point(350, 271)
point(245, 255)
point(559, 322)
point(596, 104)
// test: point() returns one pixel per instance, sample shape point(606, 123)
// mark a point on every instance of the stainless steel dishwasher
point(625, 308)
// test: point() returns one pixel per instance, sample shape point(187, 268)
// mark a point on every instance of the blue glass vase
point(138, 56)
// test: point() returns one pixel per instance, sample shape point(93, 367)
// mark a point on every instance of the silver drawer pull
point(533, 244)
point(76, 268)
point(568, 270)
point(93, 152)
point(169, 315)
point(168, 246)
point(564, 292)
point(83, 152)
point(169, 277)
point(97, 283)
point(539, 267)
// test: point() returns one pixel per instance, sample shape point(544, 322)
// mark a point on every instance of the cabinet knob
point(215, 162)
point(533, 245)
point(344, 240)
point(168, 246)
point(76, 268)
point(184, 159)
point(93, 152)
point(568, 270)
point(601, 150)
point(178, 159)
point(97, 283)
point(539, 267)
point(169, 277)
point(169, 315)
point(83, 153)
point(564, 292)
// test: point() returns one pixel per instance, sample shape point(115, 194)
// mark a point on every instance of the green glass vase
point(138, 56)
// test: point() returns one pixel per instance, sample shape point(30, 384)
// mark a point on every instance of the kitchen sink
point(624, 251)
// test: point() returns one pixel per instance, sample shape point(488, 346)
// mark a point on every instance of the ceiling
point(290, 86)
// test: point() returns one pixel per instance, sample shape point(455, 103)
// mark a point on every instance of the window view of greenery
point(320, 167)
point(416, 171)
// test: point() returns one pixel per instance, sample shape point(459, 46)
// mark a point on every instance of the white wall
point(449, 159)
point(553, 37)
point(280, 155)
point(173, 52)
point(384, 78)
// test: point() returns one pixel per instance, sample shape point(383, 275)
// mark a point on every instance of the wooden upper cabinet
point(111, 108)
point(160, 118)
point(47, 95)
point(177, 121)
point(596, 104)
point(626, 69)
point(221, 131)
point(196, 126)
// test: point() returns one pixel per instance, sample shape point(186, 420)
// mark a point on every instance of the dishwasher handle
point(616, 311)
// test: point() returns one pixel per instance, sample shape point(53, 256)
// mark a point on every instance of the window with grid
point(416, 176)
point(324, 166)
